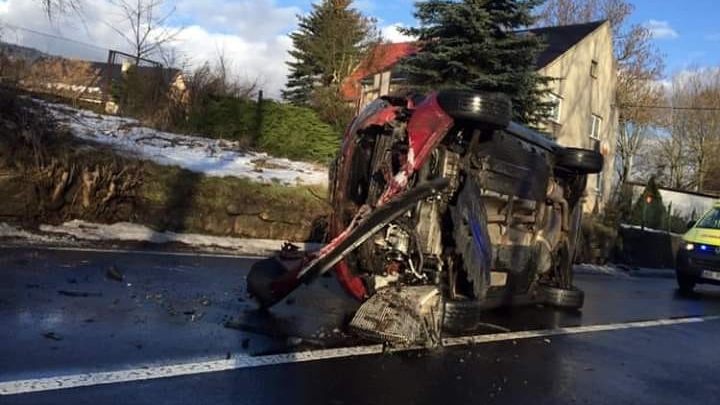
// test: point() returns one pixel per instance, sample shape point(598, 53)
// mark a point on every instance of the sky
point(252, 34)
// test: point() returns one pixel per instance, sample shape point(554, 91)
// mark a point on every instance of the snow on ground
point(212, 157)
point(82, 231)
point(638, 227)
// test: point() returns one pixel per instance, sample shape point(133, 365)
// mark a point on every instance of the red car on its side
point(444, 191)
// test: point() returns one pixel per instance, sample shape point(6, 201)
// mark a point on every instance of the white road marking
point(136, 252)
point(244, 361)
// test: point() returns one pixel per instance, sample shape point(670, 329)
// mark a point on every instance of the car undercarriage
point(441, 207)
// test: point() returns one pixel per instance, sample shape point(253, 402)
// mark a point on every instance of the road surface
point(104, 327)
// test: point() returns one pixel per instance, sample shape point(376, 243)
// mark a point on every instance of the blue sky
point(688, 32)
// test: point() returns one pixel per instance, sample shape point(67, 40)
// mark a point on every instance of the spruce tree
point(474, 44)
point(330, 42)
point(655, 211)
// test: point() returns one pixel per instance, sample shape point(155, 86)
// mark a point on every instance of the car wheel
point(581, 161)
point(686, 284)
point(492, 109)
point(472, 241)
point(572, 298)
point(460, 315)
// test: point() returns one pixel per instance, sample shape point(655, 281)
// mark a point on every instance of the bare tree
point(696, 93)
point(639, 66)
point(148, 32)
point(53, 7)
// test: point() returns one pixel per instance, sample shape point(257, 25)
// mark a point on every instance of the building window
point(595, 141)
point(594, 69)
point(555, 107)
point(595, 124)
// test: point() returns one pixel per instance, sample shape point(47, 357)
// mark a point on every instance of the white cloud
point(392, 33)
point(661, 29)
point(713, 37)
point(252, 34)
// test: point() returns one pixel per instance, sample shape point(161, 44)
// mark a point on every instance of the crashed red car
point(443, 202)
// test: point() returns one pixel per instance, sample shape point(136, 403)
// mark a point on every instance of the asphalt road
point(69, 322)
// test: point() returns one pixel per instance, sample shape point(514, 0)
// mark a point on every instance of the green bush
point(281, 130)
point(596, 242)
point(296, 133)
point(655, 216)
point(225, 118)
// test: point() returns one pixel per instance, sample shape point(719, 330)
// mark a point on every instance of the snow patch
point(638, 227)
point(125, 231)
point(212, 157)
point(78, 230)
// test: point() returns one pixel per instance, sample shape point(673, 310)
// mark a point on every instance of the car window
point(711, 220)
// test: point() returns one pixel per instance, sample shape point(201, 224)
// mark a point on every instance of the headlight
point(687, 245)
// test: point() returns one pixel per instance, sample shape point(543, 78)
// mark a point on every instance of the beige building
point(578, 59)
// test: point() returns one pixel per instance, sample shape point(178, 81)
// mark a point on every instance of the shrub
point(296, 133)
point(596, 242)
point(655, 212)
point(281, 130)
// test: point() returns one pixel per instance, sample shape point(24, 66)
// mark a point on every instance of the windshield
point(711, 220)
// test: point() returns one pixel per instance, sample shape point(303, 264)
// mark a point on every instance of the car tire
point(460, 315)
point(492, 109)
point(564, 298)
point(580, 161)
point(472, 241)
point(686, 284)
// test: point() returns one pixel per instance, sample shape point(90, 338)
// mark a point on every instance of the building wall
point(583, 95)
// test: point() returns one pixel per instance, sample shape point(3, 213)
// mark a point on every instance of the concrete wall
point(582, 96)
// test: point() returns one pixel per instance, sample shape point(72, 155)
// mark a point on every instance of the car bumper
point(703, 267)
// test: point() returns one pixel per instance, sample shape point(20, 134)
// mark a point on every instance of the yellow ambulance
point(698, 259)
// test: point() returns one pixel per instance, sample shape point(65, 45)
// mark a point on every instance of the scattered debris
point(79, 294)
point(53, 336)
point(205, 302)
point(294, 341)
point(546, 340)
point(114, 274)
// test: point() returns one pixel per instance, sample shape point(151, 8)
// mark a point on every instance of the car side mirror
point(691, 224)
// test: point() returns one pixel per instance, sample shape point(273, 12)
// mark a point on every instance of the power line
point(53, 36)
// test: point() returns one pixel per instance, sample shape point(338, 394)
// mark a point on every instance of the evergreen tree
point(474, 44)
point(329, 43)
point(655, 211)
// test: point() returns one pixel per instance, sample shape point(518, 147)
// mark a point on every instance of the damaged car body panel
point(444, 196)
